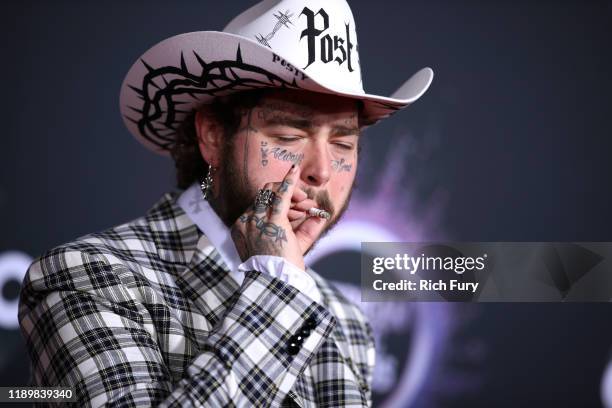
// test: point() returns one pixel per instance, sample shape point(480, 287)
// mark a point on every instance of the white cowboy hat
point(309, 45)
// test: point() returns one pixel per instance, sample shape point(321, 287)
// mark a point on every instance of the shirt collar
point(207, 220)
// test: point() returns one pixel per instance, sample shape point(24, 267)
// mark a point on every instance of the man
point(206, 300)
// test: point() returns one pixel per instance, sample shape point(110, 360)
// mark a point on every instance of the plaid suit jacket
point(147, 314)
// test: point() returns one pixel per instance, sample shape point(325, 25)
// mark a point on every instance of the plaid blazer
point(147, 314)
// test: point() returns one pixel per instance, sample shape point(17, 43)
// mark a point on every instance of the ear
point(210, 135)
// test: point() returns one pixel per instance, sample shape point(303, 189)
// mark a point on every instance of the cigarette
point(316, 212)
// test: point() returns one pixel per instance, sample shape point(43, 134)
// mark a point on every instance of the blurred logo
point(13, 266)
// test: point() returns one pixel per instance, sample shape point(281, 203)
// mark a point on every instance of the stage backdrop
point(511, 143)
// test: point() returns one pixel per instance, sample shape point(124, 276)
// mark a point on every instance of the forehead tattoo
point(272, 108)
point(301, 117)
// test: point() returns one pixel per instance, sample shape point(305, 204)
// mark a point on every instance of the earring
point(207, 183)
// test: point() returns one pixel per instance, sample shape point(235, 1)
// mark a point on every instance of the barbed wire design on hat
point(160, 115)
point(284, 19)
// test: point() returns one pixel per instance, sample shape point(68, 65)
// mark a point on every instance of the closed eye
point(288, 138)
point(345, 146)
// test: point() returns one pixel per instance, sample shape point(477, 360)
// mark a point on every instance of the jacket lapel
point(207, 281)
point(200, 271)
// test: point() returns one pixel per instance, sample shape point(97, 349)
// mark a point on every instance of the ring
point(264, 198)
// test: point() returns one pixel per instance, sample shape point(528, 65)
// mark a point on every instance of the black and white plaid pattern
point(147, 314)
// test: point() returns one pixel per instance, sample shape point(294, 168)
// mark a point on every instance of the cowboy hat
point(308, 45)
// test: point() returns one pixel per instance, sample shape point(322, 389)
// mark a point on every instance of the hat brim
point(177, 75)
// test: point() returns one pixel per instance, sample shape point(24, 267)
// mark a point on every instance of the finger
point(261, 208)
point(298, 195)
point(294, 215)
point(296, 223)
point(282, 201)
point(308, 231)
point(304, 205)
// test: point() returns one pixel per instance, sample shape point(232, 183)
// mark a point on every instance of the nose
point(315, 166)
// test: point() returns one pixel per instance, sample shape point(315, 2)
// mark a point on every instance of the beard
point(236, 195)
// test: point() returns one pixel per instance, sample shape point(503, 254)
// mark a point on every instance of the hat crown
point(309, 45)
point(317, 36)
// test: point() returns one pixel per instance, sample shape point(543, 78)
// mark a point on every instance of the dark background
point(512, 141)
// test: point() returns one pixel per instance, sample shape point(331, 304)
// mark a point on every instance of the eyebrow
point(340, 130)
point(282, 120)
point(308, 125)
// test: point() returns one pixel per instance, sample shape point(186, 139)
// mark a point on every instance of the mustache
point(322, 199)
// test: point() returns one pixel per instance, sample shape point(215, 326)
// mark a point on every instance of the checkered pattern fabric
point(147, 314)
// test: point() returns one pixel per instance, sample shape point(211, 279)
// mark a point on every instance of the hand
point(268, 230)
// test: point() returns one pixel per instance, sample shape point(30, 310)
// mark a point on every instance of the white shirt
point(207, 220)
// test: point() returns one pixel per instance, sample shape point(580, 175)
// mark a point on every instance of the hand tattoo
point(270, 238)
point(276, 204)
point(284, 186)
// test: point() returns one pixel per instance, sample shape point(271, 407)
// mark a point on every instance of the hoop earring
point(207, 183)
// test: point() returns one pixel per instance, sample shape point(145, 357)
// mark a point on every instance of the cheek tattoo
point(264, 153)
point(286, 155)
point(340, 166)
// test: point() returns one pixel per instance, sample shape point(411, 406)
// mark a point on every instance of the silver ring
point(264, 198)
